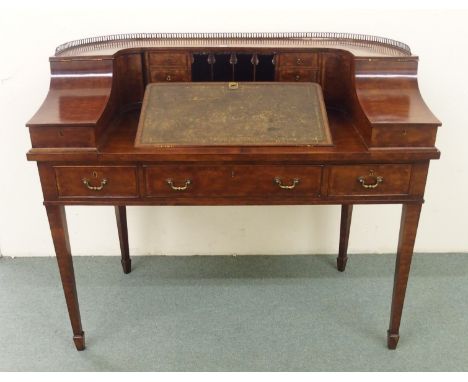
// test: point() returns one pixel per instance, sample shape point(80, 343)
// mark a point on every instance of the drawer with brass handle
point(298, 59)
point(169, 75)
point(180, 59)
point(96, 181)
point(379, 179)
point(298, 75)
point(232, 181)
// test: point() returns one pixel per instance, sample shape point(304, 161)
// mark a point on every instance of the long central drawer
point(238, 180)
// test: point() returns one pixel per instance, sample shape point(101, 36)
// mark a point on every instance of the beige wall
point(30, 36)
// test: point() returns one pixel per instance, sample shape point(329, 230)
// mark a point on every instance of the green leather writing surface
point(220, 113)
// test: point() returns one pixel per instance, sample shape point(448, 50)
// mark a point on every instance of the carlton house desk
point(233, 119)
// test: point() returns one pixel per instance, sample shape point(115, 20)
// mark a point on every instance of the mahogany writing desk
point(381, 135)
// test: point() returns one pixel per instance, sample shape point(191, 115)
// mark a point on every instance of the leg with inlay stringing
point(59, 230)
point(408, 227)
point(346, 214)
point(121, 217)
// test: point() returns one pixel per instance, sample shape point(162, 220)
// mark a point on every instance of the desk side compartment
point(387, 106)
point(78, 107)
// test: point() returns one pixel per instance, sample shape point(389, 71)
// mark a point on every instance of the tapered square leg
point(121, 217)
point(345, 225)
point(392, 340)
point(408, 228)
point(59, 230)
point(79, 340)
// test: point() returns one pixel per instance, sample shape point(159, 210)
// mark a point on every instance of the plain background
point(30, 34)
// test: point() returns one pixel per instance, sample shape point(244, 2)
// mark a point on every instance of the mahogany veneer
point(383, 135)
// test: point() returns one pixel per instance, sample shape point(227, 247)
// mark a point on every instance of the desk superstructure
point(382, 135)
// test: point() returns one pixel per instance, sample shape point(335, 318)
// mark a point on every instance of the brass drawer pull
point(94, 188)
point(376, 180)
point(279, 182)
point(178, 188)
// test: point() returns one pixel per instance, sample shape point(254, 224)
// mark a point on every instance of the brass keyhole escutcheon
point(168, 77)
point(94, 174)
point(233, 85)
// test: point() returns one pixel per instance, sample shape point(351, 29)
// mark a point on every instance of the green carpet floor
point(220, 313)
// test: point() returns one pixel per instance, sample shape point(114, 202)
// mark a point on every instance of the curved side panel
point(387, 94)
point(77, 105)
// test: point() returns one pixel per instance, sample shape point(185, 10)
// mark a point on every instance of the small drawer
point(168, 59)
point(406, 136)
point(169, 75)
point(277, 180)
point(364, 180)
point(96, 181)
point(62, 136)
point(240, 180)
point(183, 181)
point(298, 59)
point(299, 75)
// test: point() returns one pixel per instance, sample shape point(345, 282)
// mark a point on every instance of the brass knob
point(297, 77)
point(168, 77)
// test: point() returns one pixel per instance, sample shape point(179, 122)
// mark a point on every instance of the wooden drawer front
point(168, 59)
point(387, 179)
point(63, 136)
point(96, 181)
point(241, 180)
point(300, 75)
point(409, 136)
point(298, 59)
point(169, 75)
